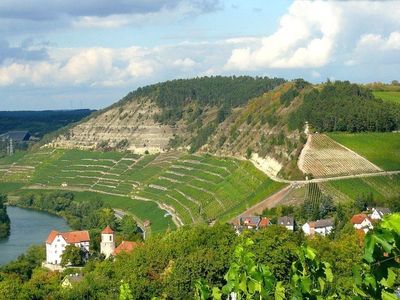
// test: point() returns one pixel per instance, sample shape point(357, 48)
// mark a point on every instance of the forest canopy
point(232, 91)
point(342, 106)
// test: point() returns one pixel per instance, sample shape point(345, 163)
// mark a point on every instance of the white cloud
point(314, 34)
point(305, 38)
point(184, 63)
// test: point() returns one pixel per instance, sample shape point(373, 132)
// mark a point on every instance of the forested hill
point(172, 96)
point(39, 123)
point(342, 106)
point(232, 116)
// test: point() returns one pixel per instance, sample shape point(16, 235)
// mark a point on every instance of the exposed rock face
point(130, 126)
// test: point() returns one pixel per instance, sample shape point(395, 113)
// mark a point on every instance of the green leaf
point(390, 280)
point(243, 283)
point(306, 284)
point(391, 222)
point(216, 293)
point(321, 284)
point(279, 291)
point(388, 296)
point(328, 272)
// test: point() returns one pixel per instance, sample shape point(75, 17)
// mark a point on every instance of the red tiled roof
point(76, 236)
point(70, 237)
point(126, 246)
point(52, 236)
point(358, 219)
point(264, 222)
point(107, 230)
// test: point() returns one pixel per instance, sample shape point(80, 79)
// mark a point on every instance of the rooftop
point(70, 237)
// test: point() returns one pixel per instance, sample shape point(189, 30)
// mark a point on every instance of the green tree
point(72, 255)
point(4, 219)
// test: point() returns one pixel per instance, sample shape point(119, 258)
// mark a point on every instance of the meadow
point(390, 96)
point(381, 187)
point(382, 149)
point(195, 188)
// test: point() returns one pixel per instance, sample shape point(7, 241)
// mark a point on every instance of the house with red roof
point(362, 222)
point(126, 247)
point(57, 241)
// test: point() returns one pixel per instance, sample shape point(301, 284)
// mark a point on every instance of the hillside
point(165, 115)
point(191, 188)
point(261, 119)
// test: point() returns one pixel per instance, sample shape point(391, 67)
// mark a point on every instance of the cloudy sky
point(62, 54)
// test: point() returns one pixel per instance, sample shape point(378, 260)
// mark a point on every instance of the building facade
point(107, 245)
point(57, 241)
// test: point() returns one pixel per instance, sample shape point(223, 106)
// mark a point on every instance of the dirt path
point(269, 202)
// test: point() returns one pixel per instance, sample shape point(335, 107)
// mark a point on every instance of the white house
point(379, 212)
point(107, 245)
point(287, 222)
point(362, 222)
point(322, 227)
point(57, 241)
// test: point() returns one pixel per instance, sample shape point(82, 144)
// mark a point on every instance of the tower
point(107, 245)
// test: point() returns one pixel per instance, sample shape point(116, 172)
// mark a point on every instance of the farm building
point(322, 227)
point(287, 222)
point(57, 241)
point(16, 136)
point(361, 222)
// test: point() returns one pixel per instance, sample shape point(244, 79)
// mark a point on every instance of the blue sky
point(77, 54)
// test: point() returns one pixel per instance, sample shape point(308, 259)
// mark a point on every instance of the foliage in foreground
point(376, 278)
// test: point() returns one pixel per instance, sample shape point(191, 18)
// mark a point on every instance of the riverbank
point(28, 227)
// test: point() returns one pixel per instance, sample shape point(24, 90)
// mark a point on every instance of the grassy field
point(6, 187)
point(193, 187)
point(383, 149)
point(390, 96)
point(379, 186)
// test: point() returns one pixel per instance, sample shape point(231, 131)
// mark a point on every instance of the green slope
point(198, 188)
point(391, 96)
point(383, 149)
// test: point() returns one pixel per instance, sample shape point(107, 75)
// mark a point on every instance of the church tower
point(107, 245)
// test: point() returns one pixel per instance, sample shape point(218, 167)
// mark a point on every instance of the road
point(276, 198)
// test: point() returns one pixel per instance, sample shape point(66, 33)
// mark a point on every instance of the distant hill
point(261, 118)
point(39, 123)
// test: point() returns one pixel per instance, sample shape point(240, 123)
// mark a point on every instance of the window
point(110, 238)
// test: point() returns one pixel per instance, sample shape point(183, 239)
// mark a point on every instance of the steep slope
point(129, 126)
point(259, 131)
point(172, 114)
point(261, 119)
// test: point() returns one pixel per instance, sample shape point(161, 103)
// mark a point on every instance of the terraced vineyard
point(380, 187)
point(383, 149)
point(191, 187)
point(323, 157)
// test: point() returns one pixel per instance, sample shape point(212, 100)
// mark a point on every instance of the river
point(28, 227)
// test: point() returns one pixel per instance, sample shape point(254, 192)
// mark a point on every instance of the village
point(58, 242)
point(362, 222)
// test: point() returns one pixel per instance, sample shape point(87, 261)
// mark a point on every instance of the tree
point(72, 255)
point(128, 228)
point(4, 219)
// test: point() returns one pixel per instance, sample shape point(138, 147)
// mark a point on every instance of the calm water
point(27, 227)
